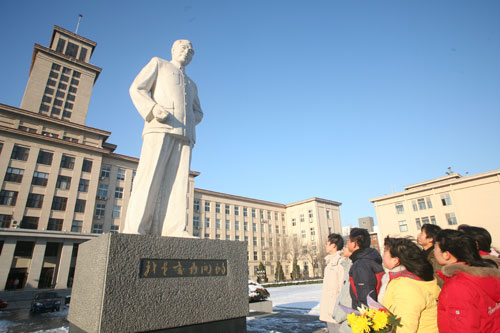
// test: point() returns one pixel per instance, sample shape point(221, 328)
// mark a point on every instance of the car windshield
point(46, 295)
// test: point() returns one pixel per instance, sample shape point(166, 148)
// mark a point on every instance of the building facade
point(366, 223)
point(63, 184)
point(447, 201)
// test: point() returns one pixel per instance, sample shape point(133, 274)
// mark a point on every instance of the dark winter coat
point(469, 300)
point(365, 275)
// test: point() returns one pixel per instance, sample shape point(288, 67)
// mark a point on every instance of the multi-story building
point(447, 201)
point(63, 184)
point(366, 223)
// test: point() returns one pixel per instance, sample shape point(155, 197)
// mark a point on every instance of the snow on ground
point(303, 297)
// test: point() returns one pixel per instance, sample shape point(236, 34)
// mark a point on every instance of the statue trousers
point(158, 203)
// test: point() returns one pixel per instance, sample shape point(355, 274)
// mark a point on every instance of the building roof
point(453, 179)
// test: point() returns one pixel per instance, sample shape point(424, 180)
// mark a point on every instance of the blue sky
point(344, 100)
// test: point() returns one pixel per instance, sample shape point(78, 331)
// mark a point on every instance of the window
point(236, 210)
point(121, 174)
point(59, 203)
point(429, 202)
point(263, 242)
point(196, 222)
point(102, 192)
point(255, 258)
point(227, 210)
point(310, 215)
point(34, 200)
point(433, 220)
point(277, 229)
point(207, 206)
point(217, 223)
point(245, 226)
point(327, 214)
point(254, 227)
point(445, 199)
point(87, 165)
point(116, 212)
point(29, 222)
point(217, 207)
point(421, 204)
point(262, 228)
point(253, 212)
point(261, 214)
point(403, 227)
point(302, 218)
point(276, 216)
point(55, 224)
point(236, 225)
point(100, 209)
point(40, 178)
point(303, 234)
point(400, 208)
point(5, 220)
point(269, 228)
point(450, 217)
point(228, 225)
point(105, 171)
point(20, 153)
point(63, 182)
point(196, 207)
point(60, 48)
point(237, 237)
point(76, 226)
point(45, 157)
point(97, 228)
point(414, 204)
point(268, 215)
point(8, 198)
point(71, 50)
point(425, 220)
point(114, 229)
point(118, 192)
point(83, 186)
point(83, 55)
point(207, 222)
point(67, 162)
point(283, 229)
point(245, 211)
point(294, 222)
point(80, 206)
point(14, 175)
point(419, 224)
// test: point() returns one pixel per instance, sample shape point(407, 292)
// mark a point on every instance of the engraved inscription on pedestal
point(174, 268)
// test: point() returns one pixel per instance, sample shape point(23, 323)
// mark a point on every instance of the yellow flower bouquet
point(372, 318)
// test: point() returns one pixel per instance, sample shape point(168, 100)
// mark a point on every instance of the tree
point(279, 275)
point(261, 273)
point(295, 270)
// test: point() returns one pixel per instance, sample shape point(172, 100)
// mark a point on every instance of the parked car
point(46, 301)
point(3, 304)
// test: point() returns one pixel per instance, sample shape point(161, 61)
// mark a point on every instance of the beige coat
point(332, 283)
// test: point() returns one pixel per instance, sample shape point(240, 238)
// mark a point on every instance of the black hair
point(480, 235)
point(463, 247)
point(337, 240)
point(361, 237)
point(431, 230)
point(410, 256)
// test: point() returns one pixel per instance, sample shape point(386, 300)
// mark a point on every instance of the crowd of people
point(445, 281)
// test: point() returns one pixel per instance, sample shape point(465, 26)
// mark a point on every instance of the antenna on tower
point(78, 25)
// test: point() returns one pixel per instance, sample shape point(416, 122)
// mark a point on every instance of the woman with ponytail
point(470, 298)
point(412, 291)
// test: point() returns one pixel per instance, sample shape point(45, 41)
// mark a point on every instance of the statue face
point(182, 52)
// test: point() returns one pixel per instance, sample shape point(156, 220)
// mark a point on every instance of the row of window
point(47, 133)
point(21, 153)
point(71, 49)
point(9, 198)
point(120, 175)
point(236, 225)
point(15, 175)
point(236, 210)
point(310, 215)
point(419, 221)
point(25, 249)
point(423, 203)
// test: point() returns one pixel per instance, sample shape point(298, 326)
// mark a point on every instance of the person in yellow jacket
point(412, 291)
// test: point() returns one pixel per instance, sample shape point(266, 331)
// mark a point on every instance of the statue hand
point(160, 113)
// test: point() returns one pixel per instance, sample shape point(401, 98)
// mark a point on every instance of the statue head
point(182, 52)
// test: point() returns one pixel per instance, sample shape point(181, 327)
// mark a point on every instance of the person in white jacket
point(333, 279)
point(168, 101)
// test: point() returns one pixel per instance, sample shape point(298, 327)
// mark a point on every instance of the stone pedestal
point(136, 283)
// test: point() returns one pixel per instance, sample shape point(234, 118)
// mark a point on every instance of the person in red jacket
point(470, 298)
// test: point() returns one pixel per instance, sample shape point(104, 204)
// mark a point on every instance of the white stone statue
point(168, 101)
